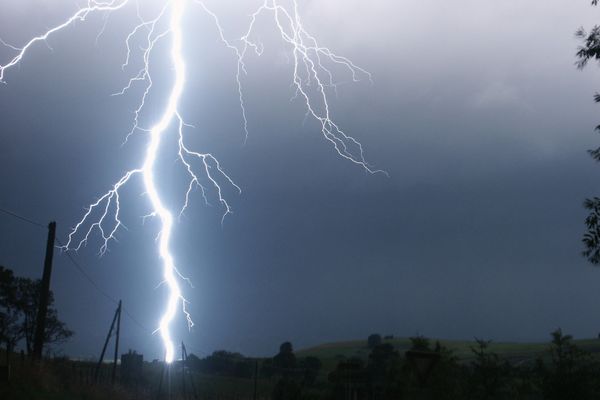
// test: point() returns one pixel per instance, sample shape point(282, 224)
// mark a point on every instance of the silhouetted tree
point(447, 379)
point(381, 357)
point(18, 310)
point(426, 372)
point(11, 331)
point(285, 361)
point(590, 50)
point(570, 373)
point(284, 365)
point(374, 340)
point(383, 369)
point(488, 373)
point(28, 293)
point(420, 343)
point(225, 363)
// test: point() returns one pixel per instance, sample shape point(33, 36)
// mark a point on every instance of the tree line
point(563, 372)
point(283, 364)
point(428, 370)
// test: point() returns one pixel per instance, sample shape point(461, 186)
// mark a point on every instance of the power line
point(22, 218)
point(99, 289)
point(77, 266)
point(87, 276)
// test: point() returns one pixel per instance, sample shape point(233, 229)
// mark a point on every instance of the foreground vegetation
point(415, 368)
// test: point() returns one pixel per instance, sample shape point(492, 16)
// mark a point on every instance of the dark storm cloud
point(476, 111)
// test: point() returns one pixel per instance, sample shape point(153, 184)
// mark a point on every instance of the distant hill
point(332, 353)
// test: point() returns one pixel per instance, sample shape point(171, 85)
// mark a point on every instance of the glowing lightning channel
point(312, 77)
point(165, 216)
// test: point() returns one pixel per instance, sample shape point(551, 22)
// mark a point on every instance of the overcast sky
point(476, 111)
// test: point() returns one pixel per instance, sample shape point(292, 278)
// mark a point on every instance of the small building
point(131, 367)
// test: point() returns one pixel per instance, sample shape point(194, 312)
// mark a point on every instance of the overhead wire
point(78, 267)
point(22, 218)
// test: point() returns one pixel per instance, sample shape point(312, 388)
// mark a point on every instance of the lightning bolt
point(313, 81)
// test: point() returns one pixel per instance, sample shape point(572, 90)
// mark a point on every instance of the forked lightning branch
point(313, 80)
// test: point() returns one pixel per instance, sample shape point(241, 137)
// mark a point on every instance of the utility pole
point(184, 364)
point(116, 318)
point(40, 326)
point(114, 370)
point(183, 358)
